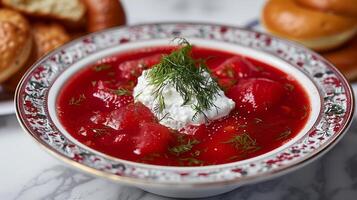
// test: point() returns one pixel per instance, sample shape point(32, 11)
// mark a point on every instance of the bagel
point(345, 59)
point(15, 43)
point(341, 7)
point(102, 14)
point(315, 29)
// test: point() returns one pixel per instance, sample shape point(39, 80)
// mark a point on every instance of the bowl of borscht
point(184, 109)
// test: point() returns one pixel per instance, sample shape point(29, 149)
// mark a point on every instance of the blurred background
point(233, 12)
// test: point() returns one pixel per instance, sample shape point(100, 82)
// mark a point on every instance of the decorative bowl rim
point(119, 171)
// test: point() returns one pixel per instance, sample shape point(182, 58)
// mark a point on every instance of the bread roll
point(48, 36)
point(341, 7)
point(315, 29)
point(345, 59)
point(68, 10)
point(15, 42)
point(11, 83)
point(102, 14)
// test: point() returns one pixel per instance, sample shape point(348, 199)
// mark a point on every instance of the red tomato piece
point(152, 138)
point(235, 67)
point(132, 69)
point(126, 118)
point(256, 94)
point(112, 97)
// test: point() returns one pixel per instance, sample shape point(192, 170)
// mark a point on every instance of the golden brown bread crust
point(48, 33)
point(315, 29)
point(287, 18)
point(48, 37)
point(11, 83)
point(345, 59)
point(15, 42)
point(71, 11)
point(102, 14)
point(341, 7)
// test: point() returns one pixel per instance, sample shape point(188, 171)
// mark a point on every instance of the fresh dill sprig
point(243, 142)
point(188, 76)
point(284, 135)
point(77, 101)
point(191, 161)
point(183, 148)
point(121, 92)
point(101, 67)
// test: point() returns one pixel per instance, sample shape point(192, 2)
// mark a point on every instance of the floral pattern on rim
point(337, 103)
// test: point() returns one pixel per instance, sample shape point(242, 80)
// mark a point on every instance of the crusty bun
point(11, 83)
point(68, 10)
point(15, 42)
point(314, 29)
point(77, 34)
point(341, 7)
point(48, 37)
point(102, 14)
point(345, 59)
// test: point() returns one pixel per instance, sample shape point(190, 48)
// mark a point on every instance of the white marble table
point(27, 172)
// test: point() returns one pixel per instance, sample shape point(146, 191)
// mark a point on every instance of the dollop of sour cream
point(175, 115)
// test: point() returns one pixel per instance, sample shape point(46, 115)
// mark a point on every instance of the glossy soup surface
point(97, 108)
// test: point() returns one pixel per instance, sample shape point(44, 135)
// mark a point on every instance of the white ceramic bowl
point(329, 93)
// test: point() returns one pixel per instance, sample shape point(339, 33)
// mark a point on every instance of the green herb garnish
point(187, 75)
point(192, 161)
point(98, 132)
point(111, 74)
point(258, 120)
point(233, 157)
point(289, 87)
point(284, 135)
point(150, 157)
point(77, 101)
point(94, 83)
point(196, 153)
point(182, 148)
point(259, 68)
point(304, 109)
point(121, 92)
point(244, 142)
point(101, 67)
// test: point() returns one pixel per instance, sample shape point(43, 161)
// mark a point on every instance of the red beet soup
point(96, 106)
